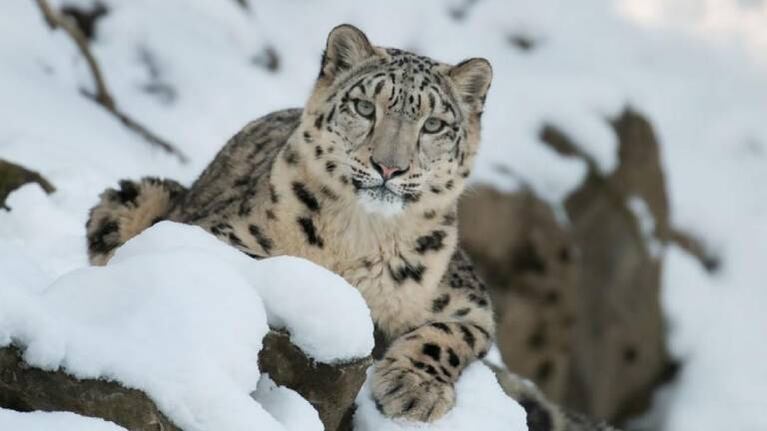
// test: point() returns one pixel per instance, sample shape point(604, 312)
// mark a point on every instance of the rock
point(621, 352)
point(23, 388)
point(331, 389)
point(578, 303)
point(529, 263)
point(13, 176)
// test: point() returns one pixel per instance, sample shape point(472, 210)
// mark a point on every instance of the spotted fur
point(123, 213)
point(364, 181)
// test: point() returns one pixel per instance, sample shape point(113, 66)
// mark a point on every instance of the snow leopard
point(364, 180)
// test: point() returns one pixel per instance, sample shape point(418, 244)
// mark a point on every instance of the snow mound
point(481, 404)
point(176, 315)
point(328, 319)
point(59, 421)
point(284, 404)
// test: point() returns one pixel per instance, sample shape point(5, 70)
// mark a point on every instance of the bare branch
point(55, 21)
point(103, 96)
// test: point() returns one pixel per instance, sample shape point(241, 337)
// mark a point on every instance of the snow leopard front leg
point(415, 378)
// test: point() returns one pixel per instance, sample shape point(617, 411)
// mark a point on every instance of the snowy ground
point(189, 69)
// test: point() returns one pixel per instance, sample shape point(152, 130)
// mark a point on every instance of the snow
point(696, 68)
point(644, 217)
point(46, 421)
point(177, 315)
point(480, 404)
point(287, 406)
point(725, 326)
point(328, 319)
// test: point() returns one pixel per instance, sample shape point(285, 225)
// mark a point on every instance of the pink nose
point(386, 172)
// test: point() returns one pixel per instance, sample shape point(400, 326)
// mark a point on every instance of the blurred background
point(619, 205)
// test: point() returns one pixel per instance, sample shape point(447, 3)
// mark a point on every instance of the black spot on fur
point(330, 167)
point(394, 389)
point(432, 242)
point(328, 193)
point(456, 281)
point(440, 303)
point(452, 358)
point(291, 157)
point(260, 238)
point(379, 406)
point(407, 271)
point(428, 215)
point(99, 243)
point(410, 405)
point(442, 327)
point(448, 219)
point(412, 197)
point(446, 372)
point(273, 194)
point(128, 192)
point(468, 336)
point(482, 330)
point(235, 240)
point(307, 225)
point(378, 87)
point(462, 312)
point(318, 122)
point(432, 350)
point(538, 418)
point(478, 300)
point(305, 196)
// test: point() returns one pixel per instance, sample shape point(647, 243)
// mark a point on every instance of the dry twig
point(102, 96)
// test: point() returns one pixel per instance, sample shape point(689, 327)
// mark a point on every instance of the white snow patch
point(287, 406)
point(481, 404)
point(11, 420)
point(646, 222)
point(718, 329)
point(326, 317)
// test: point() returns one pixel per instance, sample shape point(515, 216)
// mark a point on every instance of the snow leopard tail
point(122, 214)
point(542, 414)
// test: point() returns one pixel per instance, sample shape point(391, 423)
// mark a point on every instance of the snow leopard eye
point(433, 125)
point(364, 108)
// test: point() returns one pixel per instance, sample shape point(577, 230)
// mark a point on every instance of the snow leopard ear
point(472, 79)
point(347, 46)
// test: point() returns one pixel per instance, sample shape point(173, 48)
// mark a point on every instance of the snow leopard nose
point(387, 172)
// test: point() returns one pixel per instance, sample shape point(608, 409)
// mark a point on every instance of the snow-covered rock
point(178, 316)
point(46, 421)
